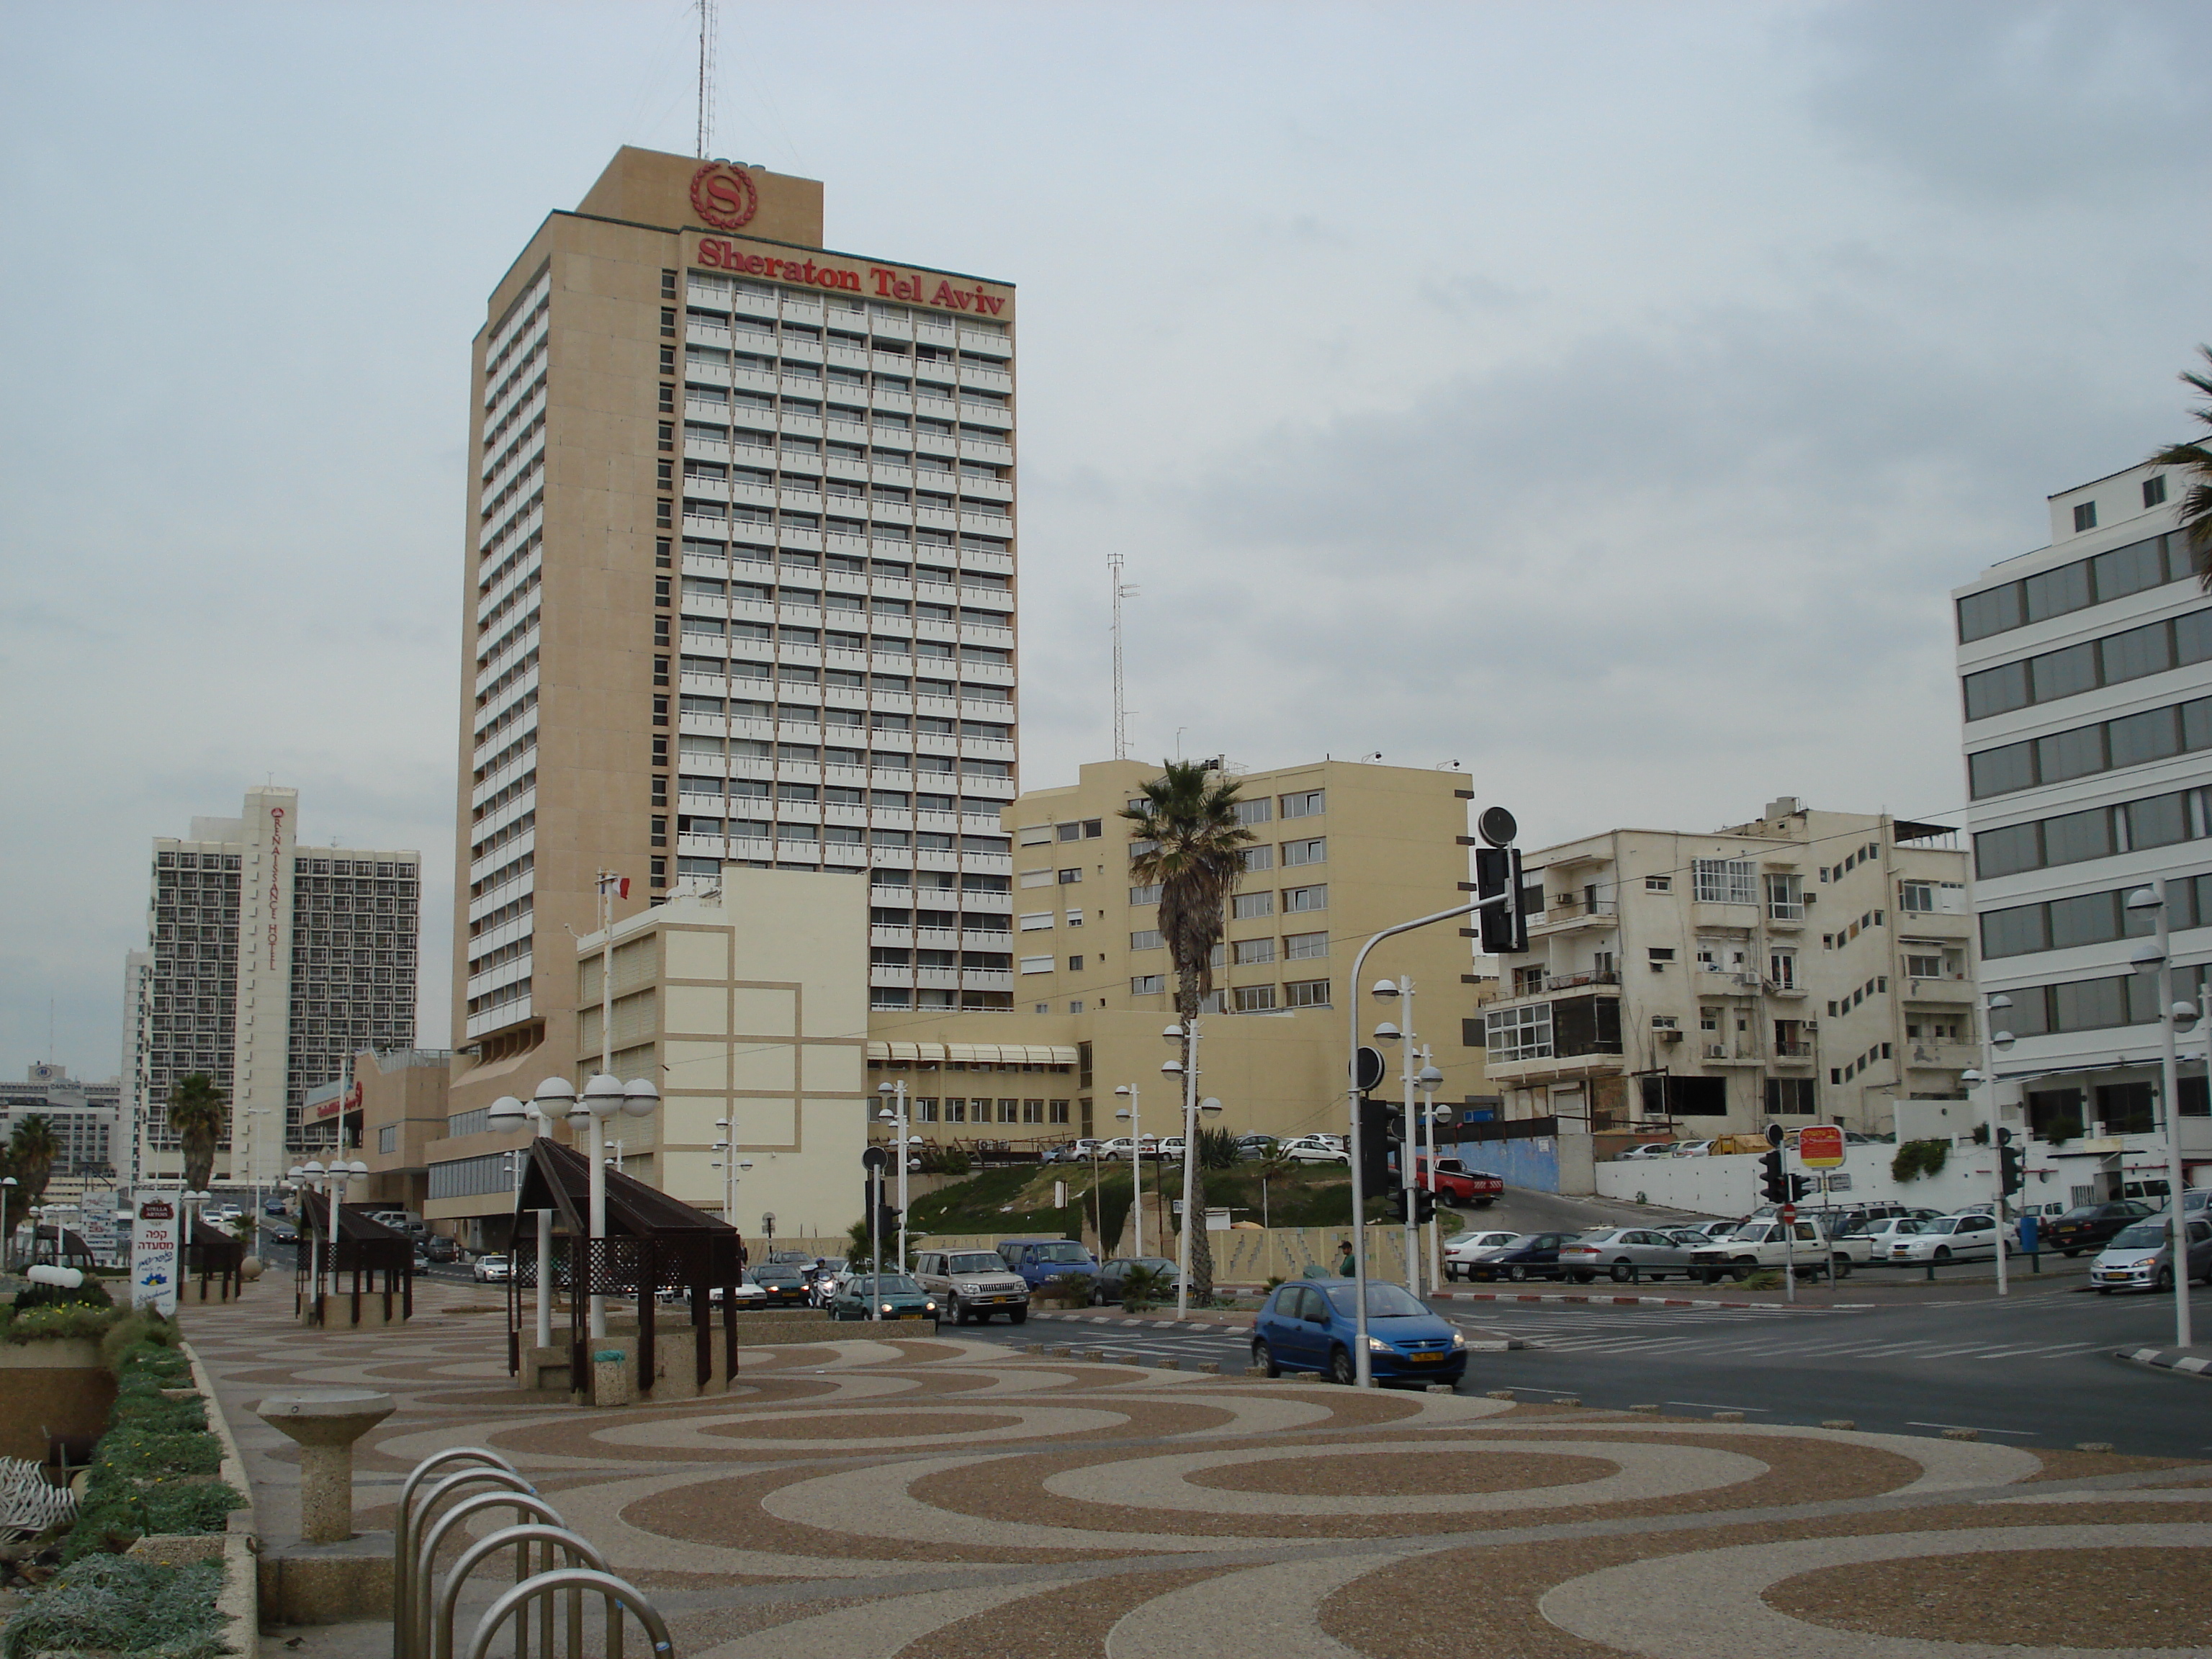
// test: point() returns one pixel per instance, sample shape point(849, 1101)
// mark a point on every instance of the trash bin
point(610, 1377)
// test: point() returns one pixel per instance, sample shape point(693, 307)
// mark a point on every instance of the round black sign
point(1497, 826)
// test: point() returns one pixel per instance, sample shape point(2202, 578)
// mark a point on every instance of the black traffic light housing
point(1398, 1205)
point(1424, 1206)
point(1772, 1182)
point(1503, 927)
point(2012, 1162)
point(1799, 1186)
point(1374, 1145)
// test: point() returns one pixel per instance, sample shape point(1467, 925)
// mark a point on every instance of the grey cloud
point(1994, 103)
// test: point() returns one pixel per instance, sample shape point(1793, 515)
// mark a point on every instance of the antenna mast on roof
point(706, 78)
point(1121, 591)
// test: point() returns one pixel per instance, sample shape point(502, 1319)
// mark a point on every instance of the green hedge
point(150, 1470)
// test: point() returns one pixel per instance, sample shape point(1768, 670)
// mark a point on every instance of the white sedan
point(1315, 1149)
point(1947, 1238)
point(1472, 1246)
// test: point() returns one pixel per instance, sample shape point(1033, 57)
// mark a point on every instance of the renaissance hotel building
point(739, 587)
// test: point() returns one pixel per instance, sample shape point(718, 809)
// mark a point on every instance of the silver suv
point(972, 1284)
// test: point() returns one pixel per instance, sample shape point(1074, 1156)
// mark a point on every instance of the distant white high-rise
point(268, 963)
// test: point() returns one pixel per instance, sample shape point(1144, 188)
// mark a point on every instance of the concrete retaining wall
point(57, 1388)
point(1729, 1186)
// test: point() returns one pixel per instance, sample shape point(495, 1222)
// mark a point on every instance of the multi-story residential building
point(2086, 671)
point(1808, 965)
point(85, 1119)
point(1342, 849)
point(739, 583)
point(269, 961)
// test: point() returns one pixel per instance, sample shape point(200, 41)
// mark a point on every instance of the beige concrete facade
point(1807, 965)
point(739, 584)
point(402, 1115)
point(1342, 850)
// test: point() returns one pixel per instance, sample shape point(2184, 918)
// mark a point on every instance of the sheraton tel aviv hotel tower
point(740, 584)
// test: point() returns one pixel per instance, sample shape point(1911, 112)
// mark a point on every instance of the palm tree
point(1189, 844)
point(2196, 460)
point(196, 1114)
point(31, 1150)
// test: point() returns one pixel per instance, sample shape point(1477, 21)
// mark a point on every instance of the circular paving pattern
point(939, 1499)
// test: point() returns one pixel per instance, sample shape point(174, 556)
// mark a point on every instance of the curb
point(2168, 1360)
point(1502, 1345)
point(1600, 1301)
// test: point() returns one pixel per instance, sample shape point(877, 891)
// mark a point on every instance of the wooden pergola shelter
point(655, 1246)
point(366, 1250)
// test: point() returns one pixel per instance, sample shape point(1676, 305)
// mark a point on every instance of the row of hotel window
point(2075, 586)
point(2091, 919)
point(711, 587)
point(2155, 734)
point(1241, 998)
point(846, 679)
point(807, 713)
point(763, 562)
point(713, 404)
point(2094, 833)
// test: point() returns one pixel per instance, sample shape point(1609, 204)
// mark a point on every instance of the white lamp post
point(1136, 1161)
point(1428, 1081)
point(508, 1113)
point(1188, 1067)
point(7, 1184)
point(894, 1094)
point(1387, 992)
point(2156, 952)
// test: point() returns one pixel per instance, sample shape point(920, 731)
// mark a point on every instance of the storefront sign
point(154, 1238)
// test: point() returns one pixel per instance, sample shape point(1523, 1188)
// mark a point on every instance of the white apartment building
point(1809, 964)
point(268, 963)
point(2086, 671)
point(86, 1118)
point(740, 584)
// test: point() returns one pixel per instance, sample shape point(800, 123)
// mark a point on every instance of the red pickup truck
point(1454, 1183)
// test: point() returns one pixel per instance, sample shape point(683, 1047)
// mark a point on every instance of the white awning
point(973, 1053)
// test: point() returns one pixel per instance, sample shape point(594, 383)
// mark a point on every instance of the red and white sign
point(348, 1102)
point(1821, 1145)
point(724, 196)
point(885, 282)
point(1789, 1213)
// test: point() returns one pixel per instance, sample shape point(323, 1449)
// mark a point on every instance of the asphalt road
point(2035, 1370)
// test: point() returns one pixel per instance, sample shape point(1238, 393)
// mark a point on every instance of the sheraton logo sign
point(724, 196)
point(883, 281)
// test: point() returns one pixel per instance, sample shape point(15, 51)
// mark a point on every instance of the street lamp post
point(1995, 1042)
point(509, 1113)
point(1136, 1163)
point(1402, 990)
point(2157, 952)
point(1428, 1081)
point(1187, 1034)
point(894, 1093)
point(7, 1185)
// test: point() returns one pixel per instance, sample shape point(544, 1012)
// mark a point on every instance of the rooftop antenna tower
point(706, 78)
point(1121, 591)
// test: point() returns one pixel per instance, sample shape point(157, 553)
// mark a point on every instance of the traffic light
point(887, 1227)
point(1799, 1186)
point(1503, 927)
point(1398, 1205)
point(2012, 1162)
point(1374, 1146)
point(1424, 1206)
point(1771, 1181)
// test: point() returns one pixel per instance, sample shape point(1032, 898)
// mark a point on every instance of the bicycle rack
point(580, 1552)
point(617, 1596)
point(489, 1466)
point(424, 1609)
point(527, 1507)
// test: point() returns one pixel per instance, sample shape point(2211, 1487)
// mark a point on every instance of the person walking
point(1344, 1258)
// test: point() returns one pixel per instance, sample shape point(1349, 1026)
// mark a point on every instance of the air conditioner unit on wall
point(1716, 1051)
point(1670, 1035)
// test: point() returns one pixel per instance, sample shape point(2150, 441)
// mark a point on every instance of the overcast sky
point(1601, 396)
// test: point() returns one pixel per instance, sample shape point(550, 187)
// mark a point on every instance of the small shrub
point(2061, 1130)
point(1142, 1287)
point(1915, 1158)
point(1217, 1149)
point(57, 1322)
point(139, 1332)
point(113, 1604)
point(90, 1294)
point(1065, 1291)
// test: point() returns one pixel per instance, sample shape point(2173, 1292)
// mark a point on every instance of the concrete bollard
point(610, 1377)
point(1841, 1423)
point(2093, 1445)
point(1727, 1417)
point(1255, 1371)
point(323, 1423)
point(1032, 1347)
point(1501, 1393)
point(1962, 1434)
point(1170, 1364)
point(1572, 1399)
point(1209, 1367)
point(1061, 1352)
point(1437, 1388)
point(1649, 1410)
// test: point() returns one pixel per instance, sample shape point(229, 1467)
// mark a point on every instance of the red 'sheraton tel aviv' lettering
point(714, 254)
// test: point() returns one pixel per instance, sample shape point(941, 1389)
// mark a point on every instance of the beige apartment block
point(738, 586)
point(1342, 849)
point(1808, 965)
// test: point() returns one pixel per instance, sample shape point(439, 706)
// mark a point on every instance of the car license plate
point(914, 1315)
point(1425, 1358)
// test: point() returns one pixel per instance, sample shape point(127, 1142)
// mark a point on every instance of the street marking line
point(2026, 1434)
point(1708, 1406)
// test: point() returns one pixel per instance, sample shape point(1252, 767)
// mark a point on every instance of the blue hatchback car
point(1308, 1325)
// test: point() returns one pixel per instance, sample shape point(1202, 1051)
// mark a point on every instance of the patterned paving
point(939, 1499)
